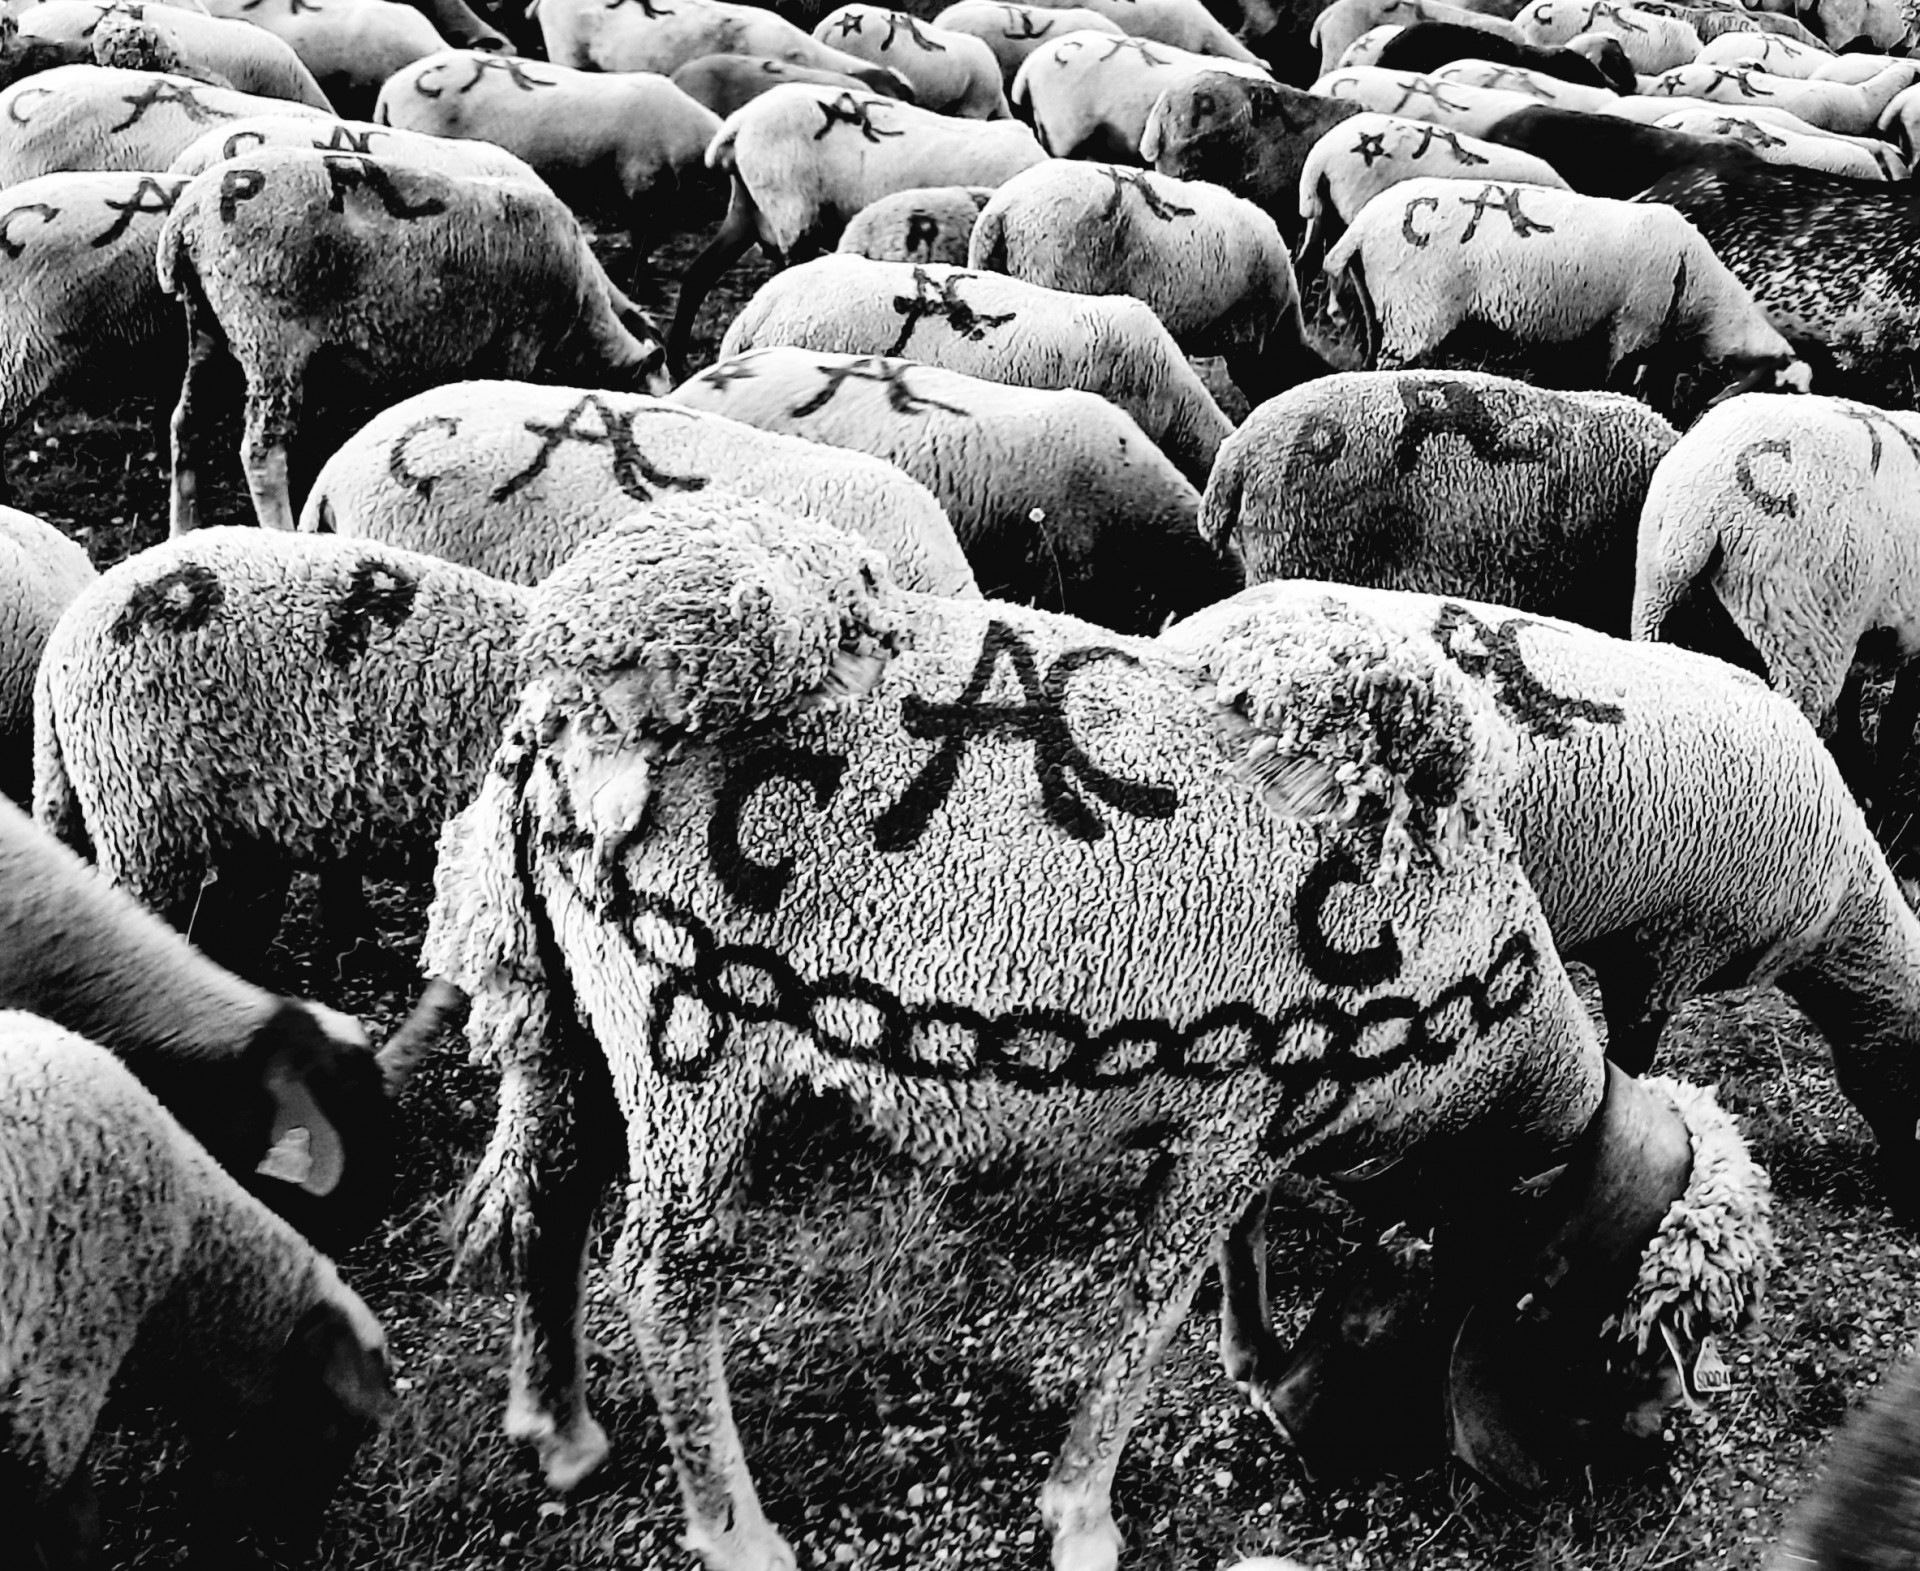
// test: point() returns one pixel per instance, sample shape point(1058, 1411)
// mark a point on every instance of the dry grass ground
point(904, 1347)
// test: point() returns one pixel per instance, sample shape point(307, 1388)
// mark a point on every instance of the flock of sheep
point(938, 701)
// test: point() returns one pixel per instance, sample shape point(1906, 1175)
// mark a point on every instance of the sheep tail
point(173, 260)
point(1678, 549)
point(55, 802)
point(987, 250)
point(1220, 504)
point(720, 153)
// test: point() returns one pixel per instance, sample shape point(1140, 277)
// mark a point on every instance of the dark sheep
point(1427, 45)
point(1611, 156)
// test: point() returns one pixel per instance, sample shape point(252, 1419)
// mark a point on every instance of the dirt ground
point(904, 1348)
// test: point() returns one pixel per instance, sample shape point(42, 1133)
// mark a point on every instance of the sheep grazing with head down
point(1460, 106)
point(951, 73)
point(1543, 87)
point(443, 155)
point(1013, 32)
point(1211, 264)
point(1577, 284)
point(1426, 46)
point(1089, 94)
point(508, 478)
point(1445, 481)
point(1180, 24)
point(1608, 155)
point(517, 292)
point(728, 82)
point(1780, 144)
point(999, 328)
point(650, 940)
point(352, 47)
point(41, 571)
point(285, 1094)
point(1653, 41)
point(129, 1260)
point(804, 160)
point(590, 35)
point(1342, 24)
point(927, 224)
point(1058, 497)
point(1853, 109)
point(170, 683)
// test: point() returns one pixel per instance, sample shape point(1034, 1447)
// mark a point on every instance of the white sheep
point(1211, 264)
point(1182, 24)
point(219, 711)
point(625, 143)
point(1781, 144)
point(1544, 268)
point(1365, 50)
point(1361, 157)
point(285, 1094)
point(926, 224)
point(951, 73)
point(1783, 56)
point(1013, 32)
point(998, 328)
point(350, 46)
point(288, 258)
point(1414, 95)
point(93, 117)
point(591, 35)
point(1851, 110)
point(804, 160)
point(1058, 497)
point(78, 296)
point(41, 570)
point(1450, 481)
point(1252, 902)
point(1089, 94)
point(1537, 85)
point(129, 1260)
point(248, 58)
point(1343, 23)
point(444, 155)
point(1653, 41)
point(725, 83)
point(508, 478)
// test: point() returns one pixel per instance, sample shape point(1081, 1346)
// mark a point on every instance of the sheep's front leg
point(1187, 1216)
point(670, 1262)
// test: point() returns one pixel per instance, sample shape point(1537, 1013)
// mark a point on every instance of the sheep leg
point(1250, 1353)
point(685, 1146)
point(206, 353)
point(1627, 970)
point(273, 409)
point(739, 232)
point(1187, 1216)
point(1847, 741)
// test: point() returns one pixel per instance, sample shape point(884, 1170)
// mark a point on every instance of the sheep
point(1601, 155)
point(1180, 24)
point(1453, 482)
point(1370, 45)
point(93, 117)
point(1712, 22)
point(1832, 106)
point(1900, 121)
point(1666, 905)
point(508, 478)
point(78, 296)
point(1781, 56)
point(1779, 145)
point(1835, 264)
point(350, 46)
point(21, 56)
point(1797, 527)
point(1372, 152)
point(1537, 85)
point(128, 1251)
point(926, 224)
point(516, 290)
point(1426, 46)
point(951, 73)
point(443, 155)
point(285, 1094)
point(1862, 1511)
point(1455, 105)
point(1554, 269)
point(1089, 94)
point(1251, 137)
point(1340, 24)
point(571, 927)
point(804, 160)
point(249, 59)
point(590, 35)
point(998, 328)
point(1058, 497)
point(1653, 41)
point(219, 711)
point(725, 83)
point(1013, 32)
point(41, 570)
point(626, 143)
point(1211, 264)
point(1845, 23)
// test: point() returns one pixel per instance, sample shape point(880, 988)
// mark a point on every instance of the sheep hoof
point(1087, 1545)
point(567, 1459)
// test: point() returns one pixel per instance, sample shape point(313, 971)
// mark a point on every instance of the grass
point(904, 1348)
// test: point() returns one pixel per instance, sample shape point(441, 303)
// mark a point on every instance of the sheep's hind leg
point(1250, 1353)
point(1187, 1216)
point(206, 354)
point(273, 409)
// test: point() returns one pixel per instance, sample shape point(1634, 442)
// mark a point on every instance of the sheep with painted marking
point(1592, 61)
point(1849, 108)
point(94, 117)
point(285, 1094)
point(1211, 264)
point(1180, 24)
point(248, 58)
point(1448, 481)
point(1013, 32)
point(950, 73)
point(1413, 95)
point(444, 155)
point(350, 46)
point(508, 477)
point(293, 262)
point(627, 144)
point(1653, 41)
point(41, 571)
point(727, 82)
point(1784, 56)
point(1537, 85)
point(1299, 782)
point(1546, 271)
point(131, 1262)
point(1349, 167)
point(999, 328)
point(804, 160)
point(928, 224)
point(1089, 94)
point(1340, 25)
point(1780, 144)
point(1057, 496)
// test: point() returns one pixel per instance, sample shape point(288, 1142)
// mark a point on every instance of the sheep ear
point(304, 1148)
point(851, 676)
point(1294, 785)
point(325, 1347)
